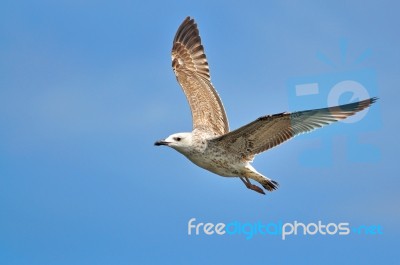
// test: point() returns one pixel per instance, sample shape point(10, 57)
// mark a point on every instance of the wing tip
point(355, 106)
point(363, 104)
point(188, 24)
point(373, 100)
point(188, 51)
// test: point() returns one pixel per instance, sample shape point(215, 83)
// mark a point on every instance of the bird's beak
point(161, 142)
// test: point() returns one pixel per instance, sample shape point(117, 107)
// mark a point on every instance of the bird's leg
point(248, 184)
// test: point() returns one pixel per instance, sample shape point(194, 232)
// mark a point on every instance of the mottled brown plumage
point(191, 69)
point(269, 131)
point(210, 145)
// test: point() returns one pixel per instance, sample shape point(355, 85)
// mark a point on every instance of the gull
point(211, 145)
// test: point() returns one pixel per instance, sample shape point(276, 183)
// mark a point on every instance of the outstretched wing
point(191, 69)
point(269, 131)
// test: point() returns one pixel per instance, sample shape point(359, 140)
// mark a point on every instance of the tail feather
point(268, 184)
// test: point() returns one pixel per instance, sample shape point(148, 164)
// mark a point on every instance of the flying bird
point(211, 145)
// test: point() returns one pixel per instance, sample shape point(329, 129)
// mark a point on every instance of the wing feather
point(269, 131)
point(192, 72)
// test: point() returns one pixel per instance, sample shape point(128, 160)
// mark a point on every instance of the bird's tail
point(268, 184)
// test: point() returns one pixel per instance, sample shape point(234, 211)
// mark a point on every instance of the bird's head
point(179, 141)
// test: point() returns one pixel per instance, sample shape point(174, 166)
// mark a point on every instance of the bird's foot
point(256, 188)
point(250, 186)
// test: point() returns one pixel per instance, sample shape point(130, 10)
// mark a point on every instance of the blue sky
point(87, 87)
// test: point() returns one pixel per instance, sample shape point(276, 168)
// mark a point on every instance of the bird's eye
point(178, 139)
